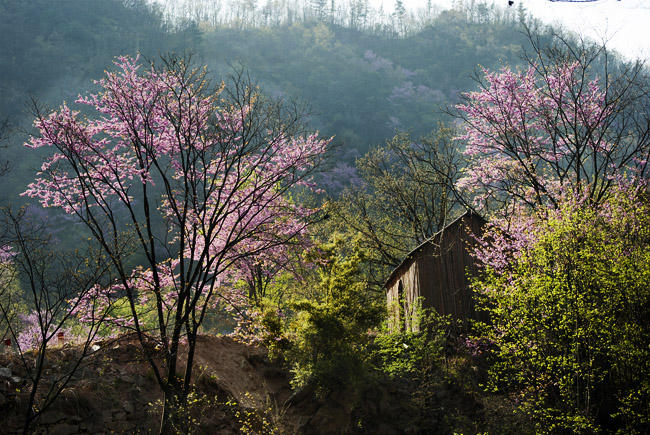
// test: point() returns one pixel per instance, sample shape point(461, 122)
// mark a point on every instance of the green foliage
point(413, 355)
point(188, 418)
point(12, 302)
point(405, 197)
point(571, 319)
point(118, 313)
point(265, 421)
point(273, 329)
point(330, 335)
point(415, 362)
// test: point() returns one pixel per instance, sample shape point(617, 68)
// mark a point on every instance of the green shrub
point(330, 335)
point(571, 319)
point(407, 354)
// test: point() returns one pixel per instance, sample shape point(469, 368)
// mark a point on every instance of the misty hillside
point(360, 84)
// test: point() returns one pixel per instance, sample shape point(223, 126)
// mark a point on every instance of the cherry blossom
point(190, 181)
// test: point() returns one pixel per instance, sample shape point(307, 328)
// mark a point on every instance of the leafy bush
point(571, 317)
point(414, 363)
point(330, 335)
point(407, 354)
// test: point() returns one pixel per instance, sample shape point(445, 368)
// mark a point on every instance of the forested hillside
point(360, 80)
point(364, 86)
point(52, 51)
point(361, 85)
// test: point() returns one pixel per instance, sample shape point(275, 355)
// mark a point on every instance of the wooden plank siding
point(438, 274)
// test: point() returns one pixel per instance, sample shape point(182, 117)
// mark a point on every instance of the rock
point(137, 415)
point(139, 380)
point(257, 360)
point(384, 404)
point(107, 416)
point(384, 429)
point(371, 408)
point(128, 379)
point(64, 429)
point(343, 399)
point(303, 421)
point(128, 407)
point(51, 417)
point(122, 427)
point(20, 371)
point(3, 400)
point(412, 430)
point(300, 395)
point(329, 419)
point(94, 428)
point(5, 372)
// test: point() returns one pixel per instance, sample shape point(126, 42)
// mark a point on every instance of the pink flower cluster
point(35, 326)
point(226, 182)
point(531, 135)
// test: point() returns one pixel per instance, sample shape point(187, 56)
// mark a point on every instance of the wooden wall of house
point(402, 295)
point(444, 275)
point(437, 274)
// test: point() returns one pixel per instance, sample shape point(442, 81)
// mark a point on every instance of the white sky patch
point(625, 24)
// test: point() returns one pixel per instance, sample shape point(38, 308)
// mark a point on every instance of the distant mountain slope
point(51, 50)
point(361, 84)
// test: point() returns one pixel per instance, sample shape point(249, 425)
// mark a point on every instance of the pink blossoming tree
point(575, 120)
point(558, 159)
point(191, 180)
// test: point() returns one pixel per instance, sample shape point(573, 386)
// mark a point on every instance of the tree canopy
point(223, 160)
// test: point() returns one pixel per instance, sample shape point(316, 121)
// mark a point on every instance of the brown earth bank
point(237, 390)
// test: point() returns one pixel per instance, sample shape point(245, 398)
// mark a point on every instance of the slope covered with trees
point(51, 50)
point(361, 84)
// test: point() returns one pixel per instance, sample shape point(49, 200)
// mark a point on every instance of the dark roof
point(429, 241)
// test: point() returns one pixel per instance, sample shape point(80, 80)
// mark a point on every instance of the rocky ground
point(238, 390)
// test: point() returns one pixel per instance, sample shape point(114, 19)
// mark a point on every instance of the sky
point(624, 23)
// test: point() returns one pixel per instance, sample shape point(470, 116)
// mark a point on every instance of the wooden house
point(436, 275)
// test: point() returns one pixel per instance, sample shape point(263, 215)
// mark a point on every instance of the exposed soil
point(239, 390)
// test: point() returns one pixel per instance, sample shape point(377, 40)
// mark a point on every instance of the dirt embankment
point(238, 390)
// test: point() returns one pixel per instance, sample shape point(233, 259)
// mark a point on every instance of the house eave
point(409, 256)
